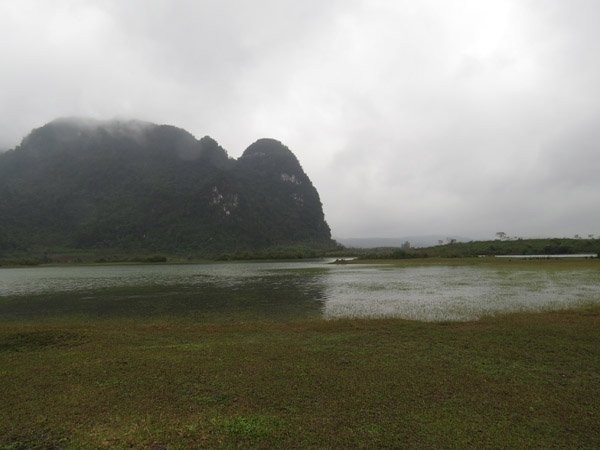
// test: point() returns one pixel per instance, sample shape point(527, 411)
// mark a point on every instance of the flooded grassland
point(301, 354)
point(299, 290)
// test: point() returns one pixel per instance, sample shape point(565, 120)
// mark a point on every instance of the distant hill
point(85, 184)
point(521, 247)
point(415, 241)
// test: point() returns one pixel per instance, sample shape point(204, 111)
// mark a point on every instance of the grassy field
point(520, 381)
point(488, 261)
point(550, 246)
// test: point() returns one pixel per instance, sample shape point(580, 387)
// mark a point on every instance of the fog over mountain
point(131, 185)
point(413, 118)
point(410, 241)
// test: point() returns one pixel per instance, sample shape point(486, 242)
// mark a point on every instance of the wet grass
point(488, 261)
point(519, 381)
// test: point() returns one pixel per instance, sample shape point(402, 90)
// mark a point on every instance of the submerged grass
point(520, 380)
point(488, 261)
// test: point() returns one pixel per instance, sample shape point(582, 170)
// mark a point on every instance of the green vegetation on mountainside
point(131, 186)
point(487, 248)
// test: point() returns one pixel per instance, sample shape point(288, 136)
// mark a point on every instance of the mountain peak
point(87, 183)
point(267, 147)
point(89, 124)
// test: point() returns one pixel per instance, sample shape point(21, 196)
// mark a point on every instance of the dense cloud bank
point(411, 117)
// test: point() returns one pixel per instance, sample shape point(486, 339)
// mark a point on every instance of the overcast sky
point(415, 117)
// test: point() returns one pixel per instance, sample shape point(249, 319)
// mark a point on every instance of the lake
point(291, 290)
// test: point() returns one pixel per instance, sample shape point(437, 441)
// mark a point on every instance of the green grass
point(82, 256)
point(535, 264)
point(551, 246)
point(520, 381)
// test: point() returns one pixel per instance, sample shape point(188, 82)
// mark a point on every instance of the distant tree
point(440, 241)
point(501, 235)
point(451, 240)
point(405, 246)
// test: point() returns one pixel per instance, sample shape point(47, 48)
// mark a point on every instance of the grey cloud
point(410, 117)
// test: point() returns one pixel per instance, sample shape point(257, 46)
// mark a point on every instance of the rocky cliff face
point(78, 183)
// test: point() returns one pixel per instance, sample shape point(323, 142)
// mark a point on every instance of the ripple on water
point(432, 293)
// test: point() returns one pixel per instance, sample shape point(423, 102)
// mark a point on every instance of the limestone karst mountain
point(83, 183)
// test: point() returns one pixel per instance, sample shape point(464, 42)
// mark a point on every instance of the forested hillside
point(130, 185)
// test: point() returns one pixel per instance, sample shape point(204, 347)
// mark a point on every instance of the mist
point(411, 118)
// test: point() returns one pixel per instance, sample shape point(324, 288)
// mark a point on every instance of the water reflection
point(236, 291)
point(293, 290)
point(450, 293)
